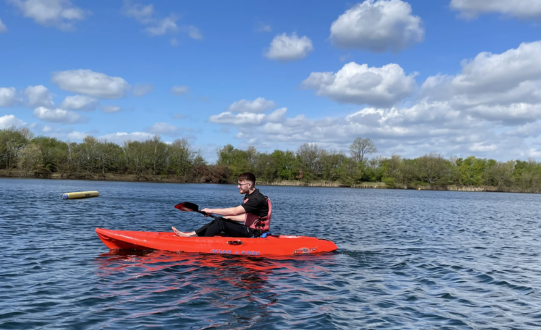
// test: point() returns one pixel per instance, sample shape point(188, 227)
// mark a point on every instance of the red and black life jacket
point(260, 223)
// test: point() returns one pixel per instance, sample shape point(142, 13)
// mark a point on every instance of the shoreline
point(285, 183)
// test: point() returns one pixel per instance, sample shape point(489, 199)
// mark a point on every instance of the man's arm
point(231, 213)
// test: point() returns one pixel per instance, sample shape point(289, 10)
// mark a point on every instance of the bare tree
point(360, 147)
point(30, 158)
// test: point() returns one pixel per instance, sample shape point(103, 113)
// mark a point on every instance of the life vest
point(259, 223)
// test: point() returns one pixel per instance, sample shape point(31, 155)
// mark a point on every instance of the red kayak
point(168, 241)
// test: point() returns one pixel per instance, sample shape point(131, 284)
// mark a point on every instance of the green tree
point(434, 169)
point(309, 158)
point(53, 151)
point(181, 157)
point(287, 166)
point(238, 161)
point(12, 140)
point(470, 171)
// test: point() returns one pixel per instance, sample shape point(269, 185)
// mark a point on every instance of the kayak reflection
point(242, 289)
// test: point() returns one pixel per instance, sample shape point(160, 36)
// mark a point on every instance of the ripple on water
point(406, 260)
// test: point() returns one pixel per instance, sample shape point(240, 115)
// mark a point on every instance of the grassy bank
point(175, 179)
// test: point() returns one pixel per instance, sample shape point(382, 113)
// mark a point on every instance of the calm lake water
point(406, 260)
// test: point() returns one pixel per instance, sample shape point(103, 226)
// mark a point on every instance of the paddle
point(191, 207)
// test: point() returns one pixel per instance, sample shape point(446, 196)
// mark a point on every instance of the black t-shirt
point(256, 203)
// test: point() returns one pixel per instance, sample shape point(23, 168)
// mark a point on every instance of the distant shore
point(174, 179)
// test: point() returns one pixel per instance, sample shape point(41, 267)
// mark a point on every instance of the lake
point(407, 259)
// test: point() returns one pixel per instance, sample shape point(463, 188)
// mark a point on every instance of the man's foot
point(181, 234)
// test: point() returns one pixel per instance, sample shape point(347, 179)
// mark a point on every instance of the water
point(406, 260)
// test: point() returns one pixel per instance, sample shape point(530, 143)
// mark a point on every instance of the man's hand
point(207, 211)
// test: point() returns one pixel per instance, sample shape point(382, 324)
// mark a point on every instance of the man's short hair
point(247, 176)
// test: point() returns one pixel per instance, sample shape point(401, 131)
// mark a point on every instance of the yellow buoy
point(81, 194)
point(418, 188)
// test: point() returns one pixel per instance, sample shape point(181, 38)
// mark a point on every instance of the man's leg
point(236, 229)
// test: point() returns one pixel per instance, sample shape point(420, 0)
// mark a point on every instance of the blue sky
point(453, 77)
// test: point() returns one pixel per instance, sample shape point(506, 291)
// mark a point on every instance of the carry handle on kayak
point(234, 242)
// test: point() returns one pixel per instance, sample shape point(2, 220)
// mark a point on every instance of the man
point(246, 220)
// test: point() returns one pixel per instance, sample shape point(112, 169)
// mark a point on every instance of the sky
point(452, 77)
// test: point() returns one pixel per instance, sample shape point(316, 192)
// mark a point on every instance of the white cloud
point(3, 28)
point(156, 26)
point(111, 108)
point(121, 137)
point(180, 90)
point(75, 135)
point(497, 87)
point(143, 14)
point(192, 32)
point(517, 8)
point(163, 26)
point(61, 14)
point(289, 48)
point(142, 89)
point(163, 128)
point(8, 96)
point(247, 118)
point(91, 83)
point(38, 96)
point(8, 121)
point(257, 105)
point(58, 116)
point(79, 102)
point(361, 84)
point(377, 26)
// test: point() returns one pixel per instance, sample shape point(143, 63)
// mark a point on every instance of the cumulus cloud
point(61, 14)
point(80, 103)
point(75, 135)
point(491, 108)
point(121, 137)
point(8, 96)
point(58, 116)
point(8, 121)
point(38, 96)
point(377, 26)
point(502, 87)
point(361, 84)
point(247, 118)
point(142, 89)
point(91, 83)
point(111, 108)
point(289, 48)
point(255, 106)
point(527, 9)
point(163, 128)
point(180, 90)
point(156, 26)
point(3, 28)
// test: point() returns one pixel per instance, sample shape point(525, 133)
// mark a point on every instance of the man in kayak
point(246, 220)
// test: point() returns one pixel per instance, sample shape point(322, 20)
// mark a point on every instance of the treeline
point(99, 159)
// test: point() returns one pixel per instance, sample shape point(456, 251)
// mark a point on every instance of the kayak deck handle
point(234, 242)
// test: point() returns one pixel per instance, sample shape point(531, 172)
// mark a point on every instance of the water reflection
point(240, 289)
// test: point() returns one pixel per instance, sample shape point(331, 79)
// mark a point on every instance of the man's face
point(244, 186)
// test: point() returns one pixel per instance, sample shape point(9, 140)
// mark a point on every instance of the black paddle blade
point(187, 206)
